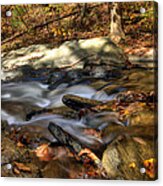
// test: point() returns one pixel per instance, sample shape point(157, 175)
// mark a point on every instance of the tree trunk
point(116, 31)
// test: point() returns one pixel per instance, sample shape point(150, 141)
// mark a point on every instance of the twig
point(41, 25)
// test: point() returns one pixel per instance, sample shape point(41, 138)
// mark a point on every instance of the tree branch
point(42, 25)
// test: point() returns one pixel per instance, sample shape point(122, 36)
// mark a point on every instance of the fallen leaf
point(44, 152)
point(91, 155)
point(150, 166)
point(19, 144)
point(22, 167)
point(132, 165)
point(16, 171)
point(139, 140)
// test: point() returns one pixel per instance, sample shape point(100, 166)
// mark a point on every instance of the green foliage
point(17, 11)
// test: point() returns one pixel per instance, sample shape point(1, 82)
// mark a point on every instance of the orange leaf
point(22, 167)
point(150, 166)
point(44, 152)
point(19, 144)
point(16, 171)
point(90, 154)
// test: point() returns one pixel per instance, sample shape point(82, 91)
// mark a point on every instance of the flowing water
point(19, 98)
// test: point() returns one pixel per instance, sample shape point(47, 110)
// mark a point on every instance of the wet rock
point(16, 112)
point(124, 158)
point(101, 120)
point(113, 89)
point(141, 115)
point(138, 79)
point(129, 147)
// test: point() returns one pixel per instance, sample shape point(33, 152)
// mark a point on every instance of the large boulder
point(91, 52)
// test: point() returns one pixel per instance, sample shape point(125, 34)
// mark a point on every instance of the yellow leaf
point(132, 165)
point(150, 165)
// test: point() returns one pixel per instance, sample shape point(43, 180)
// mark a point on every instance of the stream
point(44, 90)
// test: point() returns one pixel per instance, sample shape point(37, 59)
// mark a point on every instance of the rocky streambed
point(83, 110)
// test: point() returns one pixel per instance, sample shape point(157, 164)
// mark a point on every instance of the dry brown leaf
point(44, 152)
point(19, 144)
point(90, 154)
point(22, 167)
point(139, 140)
point(16, 171)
